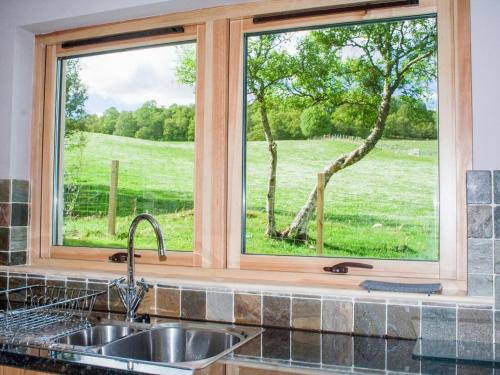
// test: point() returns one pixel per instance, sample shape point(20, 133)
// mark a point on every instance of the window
point(342, 119)
point(126, 135)
point(203, 165)
point(307, 90)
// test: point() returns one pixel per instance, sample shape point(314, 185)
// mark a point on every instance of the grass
point(382, 207)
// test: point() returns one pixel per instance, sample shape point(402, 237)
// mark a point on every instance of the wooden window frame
point(50, 55)
point(219, 32)
point(455, 147)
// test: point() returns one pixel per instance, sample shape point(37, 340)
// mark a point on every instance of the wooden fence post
point(320, 207)
point(113, 197)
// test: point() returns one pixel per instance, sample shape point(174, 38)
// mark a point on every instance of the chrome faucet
point(132, 294)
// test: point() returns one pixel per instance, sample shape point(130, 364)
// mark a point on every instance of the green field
point(382, 207)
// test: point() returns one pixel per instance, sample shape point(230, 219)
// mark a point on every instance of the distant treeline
point(408, 119)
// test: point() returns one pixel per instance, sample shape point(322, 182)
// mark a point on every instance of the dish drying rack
point(37, 313)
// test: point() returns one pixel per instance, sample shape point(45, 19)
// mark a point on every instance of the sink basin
point(96, 336)
point(184, 344)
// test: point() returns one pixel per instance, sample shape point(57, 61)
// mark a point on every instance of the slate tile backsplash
point(14, 221)
point(483, 225)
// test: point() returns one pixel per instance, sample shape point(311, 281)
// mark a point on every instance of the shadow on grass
point(92, 200)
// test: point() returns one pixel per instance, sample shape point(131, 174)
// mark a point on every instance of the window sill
point(328, 286)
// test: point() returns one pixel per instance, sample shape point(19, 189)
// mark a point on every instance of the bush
point(315, 122)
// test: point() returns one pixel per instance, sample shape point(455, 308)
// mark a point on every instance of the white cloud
point(127, 79)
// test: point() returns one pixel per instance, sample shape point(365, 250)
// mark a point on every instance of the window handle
point(121, 257)
point(344, 267)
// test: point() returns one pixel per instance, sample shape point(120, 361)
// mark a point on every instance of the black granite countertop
point(279, 350)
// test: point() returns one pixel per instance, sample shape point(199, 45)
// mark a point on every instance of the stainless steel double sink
point(184, 344)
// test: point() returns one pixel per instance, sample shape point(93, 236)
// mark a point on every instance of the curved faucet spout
point(162, 252)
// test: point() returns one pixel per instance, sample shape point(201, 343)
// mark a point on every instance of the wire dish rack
point(35, 314)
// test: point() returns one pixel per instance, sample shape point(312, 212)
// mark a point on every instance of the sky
point(127, 79)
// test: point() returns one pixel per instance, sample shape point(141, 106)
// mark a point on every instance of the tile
point(168, 302)
point(480, 285)
point(276, 311)
point(369, 319)
point(475, 333)
point(250, 349)
point(76, 284)
point(193, 304)
point(479, 221)
point(3, 280)
point(337, 316)
point(18, 238)
point(101, 302)
point(220, 307)
point(20, 191)
point(306, 313)
point(33, 279)
point(276, 344)
point(4, 191)
point(496, 187)
point(115, 302)
point(18, 258)
point(497, 327)
point(17, 281)
point(337, 349)
point(466, 369)
point(4, 215)
point(439, 323)
point(496, 250)
point(403, 321)
point(19, 214)
point(148, 303)
point(400, 356)
point(4, 239)
point(433, 367)
point(475, 325)
point(497, 292)
point(496, 219)
point(247, 308)
point(369, 352)
point(478, 187)
point(306, 347)
point(480, 255)
point(4, 258)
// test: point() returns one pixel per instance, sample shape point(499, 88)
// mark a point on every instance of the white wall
point(485, 45)
point(20, 19)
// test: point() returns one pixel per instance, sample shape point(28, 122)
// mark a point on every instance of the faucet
point(130, 294)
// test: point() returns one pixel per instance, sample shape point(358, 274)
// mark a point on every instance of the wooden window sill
point(340, 286)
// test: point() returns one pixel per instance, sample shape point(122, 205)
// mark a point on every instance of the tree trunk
point(299, 227)
point(273, 161)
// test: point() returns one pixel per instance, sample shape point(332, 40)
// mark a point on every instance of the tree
point(108, 120)
point(268, 67)
point(390, 56)
point(75, 98)
point(315, 122)
point(150, 120)
point(185, 70)
point(126, 125)
point(179, 123)
point(411, 119)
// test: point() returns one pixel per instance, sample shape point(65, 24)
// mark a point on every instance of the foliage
point(185, 70)
point(179, 123)
point(150, 120)
point(126, 124)
point(108, 121)
point(315, 122)
point(75, 97)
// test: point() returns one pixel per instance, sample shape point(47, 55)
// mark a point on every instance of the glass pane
point(355, 105)
point(130, 114)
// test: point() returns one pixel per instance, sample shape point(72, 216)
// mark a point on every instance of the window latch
point(121, 257)
point(344, 267)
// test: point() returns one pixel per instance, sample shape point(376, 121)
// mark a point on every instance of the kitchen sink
point(96, 336)
point(182, 344)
